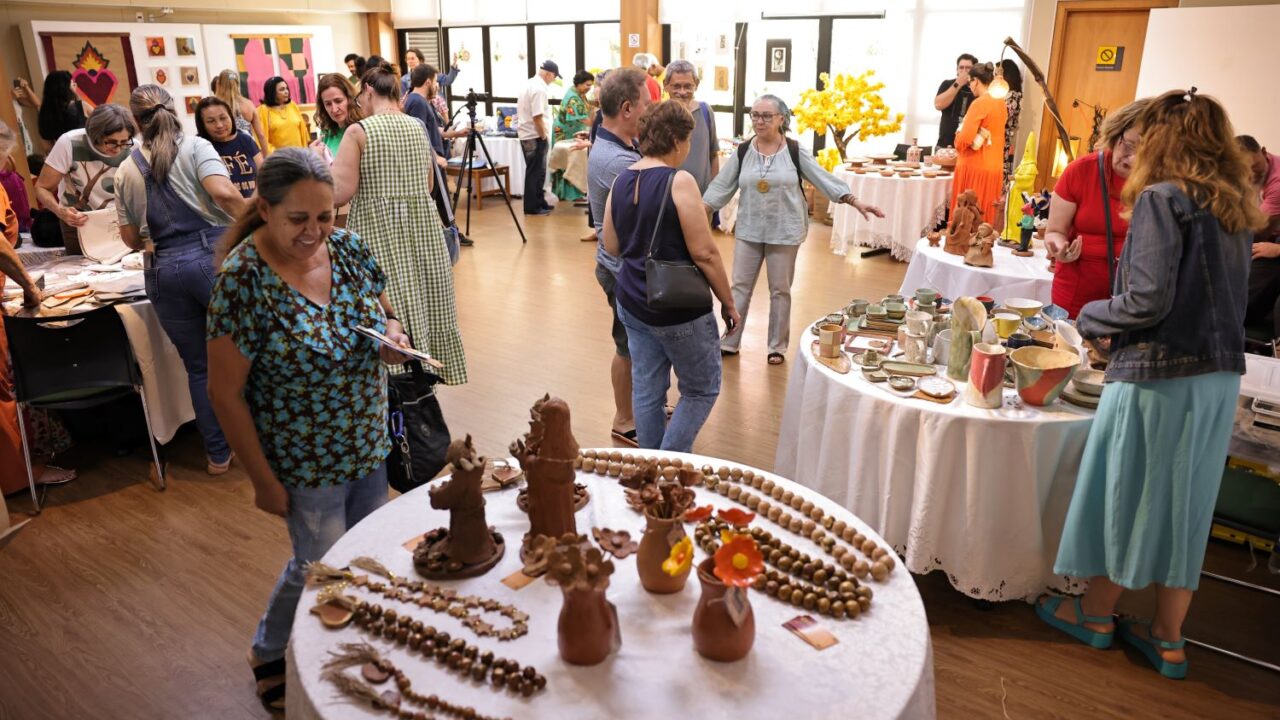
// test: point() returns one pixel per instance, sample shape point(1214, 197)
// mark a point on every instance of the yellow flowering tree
point(829, 158)
point(849, 106)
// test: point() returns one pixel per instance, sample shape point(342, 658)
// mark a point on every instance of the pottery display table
point(912, 206)
point(979, 494)
point(882, 666)
point(1009, 276)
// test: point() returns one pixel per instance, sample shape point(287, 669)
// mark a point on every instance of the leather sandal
point(1047, 606)
point(628, 437)
point(269, 677)
point(776, 358)
point(1151, 645)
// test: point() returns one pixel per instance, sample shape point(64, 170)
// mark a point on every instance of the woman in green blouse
point(336, 110)
point(300, 394)
point(574, 117)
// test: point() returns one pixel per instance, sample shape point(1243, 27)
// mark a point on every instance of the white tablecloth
point(504, 151)
point(882, 666)
point(911, 207)
point(979, 494)
point(1009, 276)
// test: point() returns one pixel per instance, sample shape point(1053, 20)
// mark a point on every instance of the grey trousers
point(780, 261)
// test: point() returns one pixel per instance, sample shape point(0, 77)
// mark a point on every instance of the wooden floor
point(121, 602)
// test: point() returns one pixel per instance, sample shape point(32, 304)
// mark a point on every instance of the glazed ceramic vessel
point(715, 635)
point(986, 377)
point(960, 352)
point(1041, 373)
point(588, 627)
point(660, 535)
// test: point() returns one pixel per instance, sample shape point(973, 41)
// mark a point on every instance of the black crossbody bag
point(672, 284)
point(419, 435)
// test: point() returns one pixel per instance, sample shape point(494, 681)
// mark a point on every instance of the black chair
point(900, 152)
point(72, 362)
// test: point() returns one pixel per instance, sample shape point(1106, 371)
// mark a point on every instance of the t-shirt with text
point(238, 155)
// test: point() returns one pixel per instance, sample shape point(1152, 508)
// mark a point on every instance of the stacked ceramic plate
point(1085, 388)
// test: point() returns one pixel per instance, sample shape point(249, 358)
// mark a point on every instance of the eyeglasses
point(1128, 146)
point(117, 145)
point(766, 116)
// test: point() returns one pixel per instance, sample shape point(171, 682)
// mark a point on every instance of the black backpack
point(793, 149)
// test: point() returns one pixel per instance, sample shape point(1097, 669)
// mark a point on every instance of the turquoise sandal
point(1094, 639)
point(1173, 671)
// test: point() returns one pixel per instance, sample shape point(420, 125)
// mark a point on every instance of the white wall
point(1226, 52)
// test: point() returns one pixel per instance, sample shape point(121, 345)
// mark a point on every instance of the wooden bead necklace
point(377, 669)
point(453, 653)
point(797, 579)
point(427, 595)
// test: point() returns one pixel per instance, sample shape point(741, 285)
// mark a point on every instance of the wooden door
point(1083, 35)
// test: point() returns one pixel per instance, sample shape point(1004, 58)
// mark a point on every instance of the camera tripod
point(466, 177)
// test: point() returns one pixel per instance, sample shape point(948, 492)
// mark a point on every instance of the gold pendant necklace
point(763, 186)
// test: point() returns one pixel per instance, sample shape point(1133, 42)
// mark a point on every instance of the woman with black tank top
point(661, 340)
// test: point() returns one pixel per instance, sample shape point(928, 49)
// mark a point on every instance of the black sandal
point(265, 675)
point(776, 358)
point(628, 437)
point(727, 353)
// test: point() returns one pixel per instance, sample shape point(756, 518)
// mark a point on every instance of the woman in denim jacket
point(1149, 477)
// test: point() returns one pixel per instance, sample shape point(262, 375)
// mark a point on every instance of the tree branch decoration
point(847, 105)
point(1049, 102)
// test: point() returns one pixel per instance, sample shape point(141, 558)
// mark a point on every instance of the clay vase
point(715, 635)
point(986, 377)
point(960, 352)
point(588, 627)
point(660, 535)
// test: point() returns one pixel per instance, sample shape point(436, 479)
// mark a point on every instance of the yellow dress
point(283, 126)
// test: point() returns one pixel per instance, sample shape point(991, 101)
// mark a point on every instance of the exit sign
point(1110, 58)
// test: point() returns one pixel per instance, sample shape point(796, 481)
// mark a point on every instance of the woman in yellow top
point(981, 168)
point(280, 118)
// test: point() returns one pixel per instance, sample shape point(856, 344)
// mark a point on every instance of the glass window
point(558, 43)
point(509, 58)
point(467, 44)
point(876, 45)
point(602, 46)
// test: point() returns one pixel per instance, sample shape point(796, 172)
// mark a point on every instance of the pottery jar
point(588, 627)
point(986, 377)
point(959, 354)
point(715, 634)
point(660, 535)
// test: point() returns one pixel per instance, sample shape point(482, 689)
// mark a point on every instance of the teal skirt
point(1148, 481)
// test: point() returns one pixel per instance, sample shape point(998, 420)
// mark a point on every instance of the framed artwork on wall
point(185, 46)
point(190, 76)
point(160, 76)
point(155, 46)
point(101, 64)
point(777, 61)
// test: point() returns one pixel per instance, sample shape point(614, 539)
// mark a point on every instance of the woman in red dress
point(1076, 238)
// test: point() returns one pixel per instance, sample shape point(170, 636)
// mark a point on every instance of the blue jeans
point(692, 349)
point(535, 174)
point(317, 518)
point(179, 285)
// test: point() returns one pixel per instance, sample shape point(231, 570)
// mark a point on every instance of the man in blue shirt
point(418, 104)
point(623, 98)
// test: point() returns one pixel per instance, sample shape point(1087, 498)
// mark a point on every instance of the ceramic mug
point(870, 356)
point(930, 309)
point(927, 296)
point(987, 302)
point(986, 377)
point(1019, 339)
point(830, 335)
point(915, 347)
point(919, 322)
point(941, 346)
point(857, 307)
point(1006, 324)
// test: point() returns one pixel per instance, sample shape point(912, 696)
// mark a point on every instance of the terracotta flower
point(698, 514)
point(736, 517)
point(739, 562)
point(617, 543)
point(680, 559)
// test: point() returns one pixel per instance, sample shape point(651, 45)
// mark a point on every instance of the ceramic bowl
point(987, 302)
point(931, 174)
point(901, 382)
point(858, 162)
point(1088, 381)
point(894, 298)
point(1023, 306)
point(1041, 374)
point(896, 310)
point(876, 311)
point(886, 173)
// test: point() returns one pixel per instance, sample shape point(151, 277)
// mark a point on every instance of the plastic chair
point(72, 362)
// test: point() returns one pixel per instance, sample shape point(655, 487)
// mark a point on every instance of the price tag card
point(735, 601)
point(412, 543)
point(517, 580)
point(811, 631)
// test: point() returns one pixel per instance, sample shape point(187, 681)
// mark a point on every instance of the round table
point(1010, 276)
point(882, 666)
point(979, 494)
point(912, 206)
point(504, 151)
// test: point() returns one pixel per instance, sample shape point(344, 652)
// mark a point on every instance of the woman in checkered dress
point(384, 169)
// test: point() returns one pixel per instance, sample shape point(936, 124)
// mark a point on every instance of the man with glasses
point(953, 99)
point(703, 162)
point(79, 173)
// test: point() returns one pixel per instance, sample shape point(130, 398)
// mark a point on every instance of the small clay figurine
point(964, 223)
point(469, 547)
point(935, 238)
point(546, 455)
point(1041, 203)
point(1027, 226)
point(979, 252)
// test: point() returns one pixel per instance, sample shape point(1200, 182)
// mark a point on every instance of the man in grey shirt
point(703, 162)
point(623, 98)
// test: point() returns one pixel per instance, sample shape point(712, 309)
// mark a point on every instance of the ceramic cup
point(895, 310)
point(987, 302)
point(986, 377)
point(893, 299)
point(915, 347)
point(919, 322)
point(930, 309)
point(857, 307)
point(836, 318)
point(830, 336)
point(1018, 339)
point(941, 346)
point(927, 296)
point(1006, 323)
point(870, 356)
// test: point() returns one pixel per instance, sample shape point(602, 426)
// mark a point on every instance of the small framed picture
point(185, 45)
point(155, 46)
point(722, 78)
point(777, 61)
point(190, 76)
point(160, 76)
point(191, 102)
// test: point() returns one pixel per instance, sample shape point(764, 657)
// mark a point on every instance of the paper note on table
point(100, 237)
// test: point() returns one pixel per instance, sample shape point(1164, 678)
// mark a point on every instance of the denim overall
point(179, 284)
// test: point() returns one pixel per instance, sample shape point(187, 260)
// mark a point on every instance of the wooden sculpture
point(546, 455)
point(964, 223)
point(979, 252)
point(469, 547)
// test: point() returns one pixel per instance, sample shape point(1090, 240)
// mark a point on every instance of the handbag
point(673, 284)
point(419, 435)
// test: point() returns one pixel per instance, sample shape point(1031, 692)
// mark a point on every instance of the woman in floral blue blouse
point(300, 394)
